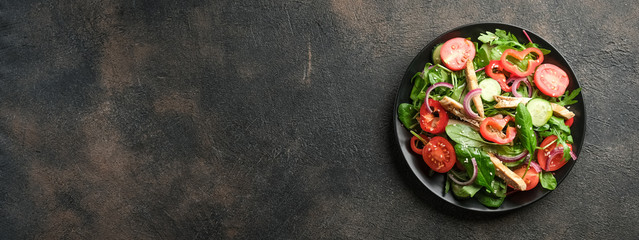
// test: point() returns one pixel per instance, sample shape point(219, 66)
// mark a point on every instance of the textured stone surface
point(272, 119)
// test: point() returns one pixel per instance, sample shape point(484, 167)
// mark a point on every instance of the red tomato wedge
point(456, 52)
point(551, 80)
point(429, 122)
point(415, 143)
point(542, 155)
point(531, 179)
point(570, 121)
point(439, 154)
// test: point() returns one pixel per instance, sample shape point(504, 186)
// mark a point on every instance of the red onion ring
point(469, 96)
point(516, 85)
point(552, 154)
point(535, 166)
point(480, 69)
point(572, 154)
point(513, 158)
point(439, 84)
point(525, 33)
point(471, 180)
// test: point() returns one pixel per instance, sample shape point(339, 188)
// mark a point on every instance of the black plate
point(435, 183)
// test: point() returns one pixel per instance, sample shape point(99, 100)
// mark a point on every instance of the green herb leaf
point(490, 200)
point(419, 86)
point(547, 180)
point(465, 191)
point(466, 135)
point(559, 123)
point(525, 131)
point(482, 58)
point(568, 98)
point(487, 37)
point(485, 167)
point(406, 114)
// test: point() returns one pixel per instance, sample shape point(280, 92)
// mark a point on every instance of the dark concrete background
point(272, 119)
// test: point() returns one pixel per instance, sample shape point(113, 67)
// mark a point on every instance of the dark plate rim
point(577, 145)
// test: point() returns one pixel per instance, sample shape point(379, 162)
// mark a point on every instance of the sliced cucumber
point(489, 89)
point(540, 111)
point(437, 59)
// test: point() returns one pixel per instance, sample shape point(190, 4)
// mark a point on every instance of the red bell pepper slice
point(414, 142)
point(499, 76)
point(491, 127)
point(520, 55)
point(429, 122)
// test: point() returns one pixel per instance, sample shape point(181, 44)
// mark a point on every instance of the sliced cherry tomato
point(456, 52)
point(531, 179)
point(499, 75)
point(520, 55)
point(415, 143)
point(551, 80)
point(431, 123)
point(491, 129)
point(569, 121)
point(542, 155)
point(439, 154)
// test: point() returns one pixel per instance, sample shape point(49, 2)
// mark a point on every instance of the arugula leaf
point(458, 89)
point(568, 99)
point(543, 50)
point(559, 123)
point(544, 127)
point(547, 180)
point(419, 86)
point(466, 135)
point(406, 114)
point(485, 167)
point(487, 37)
point(558, 128)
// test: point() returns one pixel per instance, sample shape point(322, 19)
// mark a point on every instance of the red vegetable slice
point(439, 154)
point(498, 75)
point(550, 163)
point(431, 123)
point(531, 178)
point(415, 143)
point(570, 121)
point(491, 127)
point(520, 55)
point(551, 80)
point(456, 52)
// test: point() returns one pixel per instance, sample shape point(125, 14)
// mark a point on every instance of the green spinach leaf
point(547, 180)
point(485, 167)
point(490, 200)
point(466, 135)
point(406, 114)
point(525, 131)
point(465, 191)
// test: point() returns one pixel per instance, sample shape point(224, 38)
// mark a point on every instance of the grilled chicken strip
point(457, 109)
point(471, 79)
point(510, 177)
point(511, 102)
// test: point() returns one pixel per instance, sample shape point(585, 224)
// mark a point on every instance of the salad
point(492, 116)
